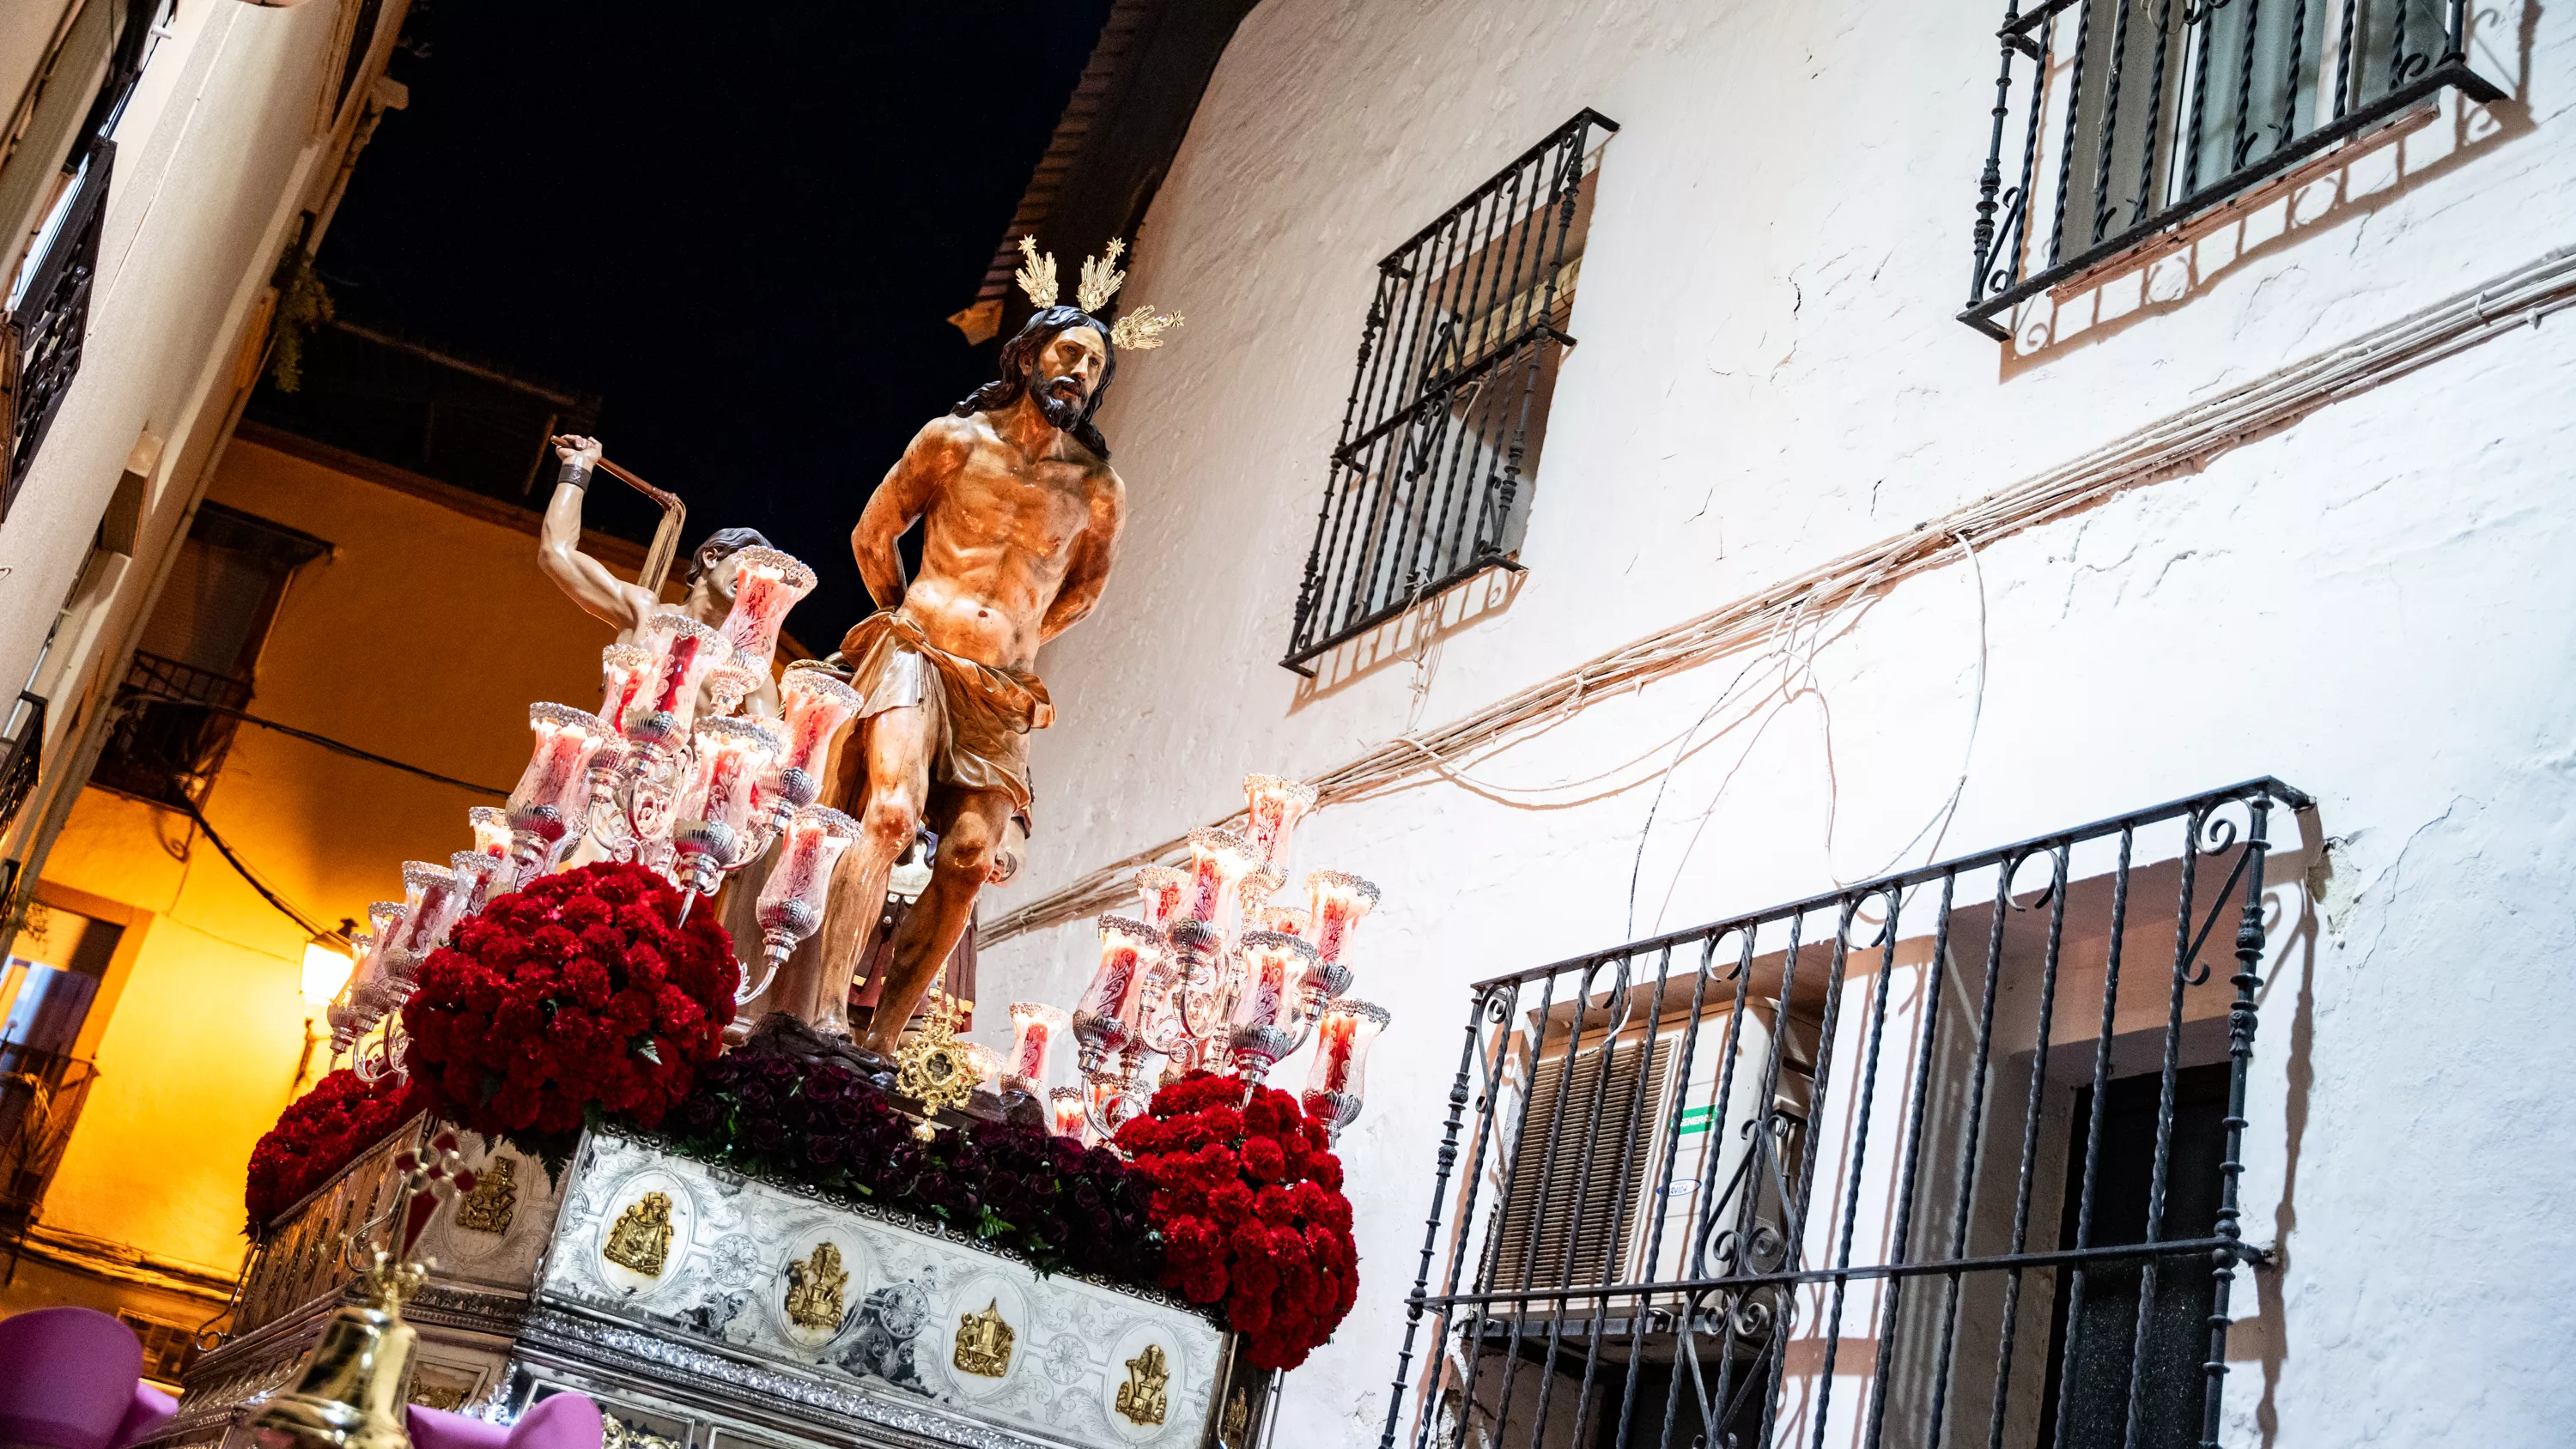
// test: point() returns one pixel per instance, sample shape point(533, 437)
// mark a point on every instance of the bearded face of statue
point(1066, 372)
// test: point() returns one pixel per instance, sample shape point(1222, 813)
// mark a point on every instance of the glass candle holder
point(814, 706)
point(1340, 900)
point(364, 995)
point(1064, 1112)
point(1105, 1019)
point(666, 706)
point(1336, 1080)
point(433, 898)
point(1287, 921)
point(728, 685)
point(491, 829)
point(1218, 861)
point(713, 830)
point(553, 794)
point(766, 584)
point(1276, 805)
point(480, 876)
point(1161, 886)
point(791, 904)
point(1252, 897)
point(1033, 1030)
point(1274, 967)
point(622, 670)
point(983, 1064)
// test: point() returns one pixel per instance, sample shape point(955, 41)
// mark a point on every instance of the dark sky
point(743, 224)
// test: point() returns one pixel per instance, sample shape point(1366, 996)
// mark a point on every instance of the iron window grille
point(1968, 1137)
point(21, 758)
point(2134, 116)
point(1457, 365)
point(50, 321)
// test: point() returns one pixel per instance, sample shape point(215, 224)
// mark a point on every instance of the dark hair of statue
point(720, 545)
point(1020, 354)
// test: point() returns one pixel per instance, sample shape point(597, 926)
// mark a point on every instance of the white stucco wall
point(2373, 604)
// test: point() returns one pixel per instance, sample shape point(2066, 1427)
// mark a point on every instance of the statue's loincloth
point(981, 715)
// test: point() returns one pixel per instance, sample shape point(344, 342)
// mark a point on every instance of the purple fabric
point(67, 1377)
point(151, 1409)
point(565, 1421)
point(438, 1429)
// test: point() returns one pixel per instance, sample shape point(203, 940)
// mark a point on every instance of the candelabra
point(1210, 976)
point(666, 775)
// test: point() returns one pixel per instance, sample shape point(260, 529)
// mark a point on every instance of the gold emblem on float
point(1235, 1432)
point(814, 1289)
point(641, 1237)
point(983, 1343)
point(1145, 1395)
point(495, 1199)
point(931, 1066)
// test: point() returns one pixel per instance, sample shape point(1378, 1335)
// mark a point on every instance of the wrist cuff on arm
point(574, 475)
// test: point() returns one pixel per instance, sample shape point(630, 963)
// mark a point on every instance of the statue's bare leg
point(930, 930)
point(895, 747)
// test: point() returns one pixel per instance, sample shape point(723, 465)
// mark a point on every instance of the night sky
point(744, 225)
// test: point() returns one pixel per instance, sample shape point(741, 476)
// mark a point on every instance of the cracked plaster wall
point(2374, 604)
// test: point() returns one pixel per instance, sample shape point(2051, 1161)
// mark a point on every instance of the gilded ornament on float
point(355, 1387)
point(932, 1068)
point(1146, 1394)
point(814, 1289)
point(641, 1237)
point(616, 1433)
point(1235, 1431)
point(495, 1199)
point(984, 1343)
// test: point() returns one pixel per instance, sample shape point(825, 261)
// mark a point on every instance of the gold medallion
point(931, 1066)
point(641, 1237)
point(984, 1343)
point(495, 1199)
point(1143, 1398)
point(814, 1289)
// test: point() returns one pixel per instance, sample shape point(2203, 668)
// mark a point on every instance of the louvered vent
point(1550, 1202)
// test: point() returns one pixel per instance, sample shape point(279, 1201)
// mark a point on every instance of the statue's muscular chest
point(1001, 498)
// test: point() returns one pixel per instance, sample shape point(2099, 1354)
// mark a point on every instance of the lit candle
point(1336, 1081)
point(491, 829)
point(1274, 967)
point(1064, 1104)
point(766, 585)
point(714, 811)
point(1033, 1027)
point(1288, 920)
point(1124, 948)
point(791, 904)
point(814, 706)
point(1275, 805)
point(553, 793)
point(683, 651)
point(1218, 859)
point(1161, 885)
point(1340, 900)
point(622, 669)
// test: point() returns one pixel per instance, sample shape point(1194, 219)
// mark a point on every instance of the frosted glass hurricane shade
point(766, 584)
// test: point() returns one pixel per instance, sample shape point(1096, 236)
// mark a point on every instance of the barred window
point(2131, 117)
point(1430, 481)
point(1949, 1157)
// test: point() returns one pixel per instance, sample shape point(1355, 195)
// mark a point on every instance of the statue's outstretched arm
point(584, 580)
point(1094, 550)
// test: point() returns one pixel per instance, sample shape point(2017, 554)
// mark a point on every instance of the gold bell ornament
point(357, 1384)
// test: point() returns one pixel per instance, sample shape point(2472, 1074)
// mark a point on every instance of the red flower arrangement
point(319, 1133)
point(572, 995)
point(1248, 1198)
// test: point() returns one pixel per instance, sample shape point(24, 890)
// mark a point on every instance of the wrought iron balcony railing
point(168, 742)
point(1949, 1157)
point(2134, 116)
point(21, 758)
point(1428, 482)
point(41, 1094)
point(49, 320)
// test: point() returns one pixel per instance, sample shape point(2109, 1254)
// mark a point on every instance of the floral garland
point(320, 1133)
point(572, 997)
point(1248, 1199)
point(1059, 1204)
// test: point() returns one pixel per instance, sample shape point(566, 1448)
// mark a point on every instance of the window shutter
point(1552, 1204)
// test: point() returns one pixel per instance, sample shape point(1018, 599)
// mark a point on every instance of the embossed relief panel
point(844, 1296)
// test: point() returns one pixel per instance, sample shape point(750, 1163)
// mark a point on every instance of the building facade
point(1823, 455)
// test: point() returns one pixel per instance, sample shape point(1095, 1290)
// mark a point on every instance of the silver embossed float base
point(707, 1311)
